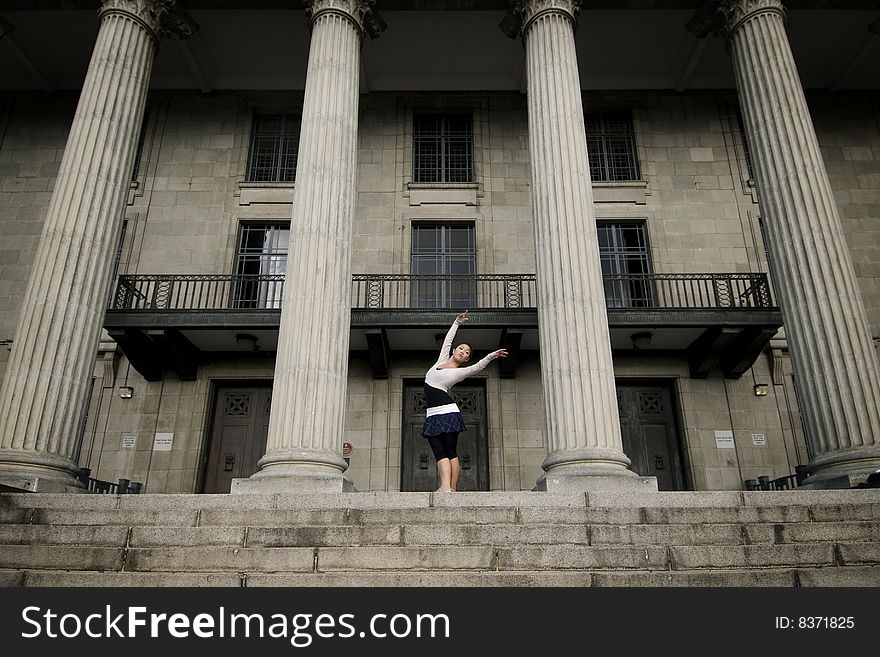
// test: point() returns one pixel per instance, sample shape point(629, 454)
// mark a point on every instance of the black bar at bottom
point(386, 621)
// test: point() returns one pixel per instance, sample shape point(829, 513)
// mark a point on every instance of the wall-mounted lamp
point(126, 392)
point(761, 389)
point(641, 340)
point(246, 341)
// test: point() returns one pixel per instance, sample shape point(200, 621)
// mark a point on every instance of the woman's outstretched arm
point(465, 372)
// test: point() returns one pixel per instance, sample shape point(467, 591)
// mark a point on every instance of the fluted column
point(44, 391)
point(304, 447)
point(585, 450)
point(835, 364)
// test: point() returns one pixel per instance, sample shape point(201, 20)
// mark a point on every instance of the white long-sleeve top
point(445, 378)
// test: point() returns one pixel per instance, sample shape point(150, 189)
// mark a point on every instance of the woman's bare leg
point(444, 472)
point(455, 470)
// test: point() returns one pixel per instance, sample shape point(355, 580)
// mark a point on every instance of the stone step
point(442, 557)
point(722, 538)
point(434, 534)
point(841, 576)
point(442, 516)
point(397, 500)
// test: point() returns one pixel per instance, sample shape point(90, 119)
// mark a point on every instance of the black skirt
point(445, 423)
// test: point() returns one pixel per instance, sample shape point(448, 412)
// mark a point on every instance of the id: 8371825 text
point(814, 622)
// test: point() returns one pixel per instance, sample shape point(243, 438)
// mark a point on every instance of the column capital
point(159, 17)
point(363, 14)
point(736, 12)
point(724, 17)
point(522, 13)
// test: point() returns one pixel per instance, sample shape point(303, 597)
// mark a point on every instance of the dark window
point(623, 252)
point(85, 421)
point(438, 251)
point(800, 405)
point(766, 244)
point(611, 146)
point(745, 144)
point(262, 257)
point(142, 139)
point(118, 258)
point(443, 148)
point(274, 145)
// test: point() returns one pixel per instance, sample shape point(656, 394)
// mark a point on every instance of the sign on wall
point(162, 442)
point(759, 439)
point(724, 439)
point(129, 440)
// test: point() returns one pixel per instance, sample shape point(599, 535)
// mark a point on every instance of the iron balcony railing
point(163, 292)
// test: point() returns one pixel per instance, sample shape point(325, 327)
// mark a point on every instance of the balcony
point(173, 321)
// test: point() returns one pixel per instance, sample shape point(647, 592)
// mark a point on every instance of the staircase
point(781, 539)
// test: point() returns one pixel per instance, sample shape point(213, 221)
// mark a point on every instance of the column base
point(11, 482)
point(844, 469)
point(565, 482)
point(293, 482)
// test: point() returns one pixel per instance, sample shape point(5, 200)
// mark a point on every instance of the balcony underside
point(725, 340)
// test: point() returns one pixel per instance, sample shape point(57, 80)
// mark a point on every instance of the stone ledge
point(634, 192)
point(443, 193)
point(253, 193)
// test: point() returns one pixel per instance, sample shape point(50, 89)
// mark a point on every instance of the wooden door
point(238, 435)
point(419, 468)
point(650, 434)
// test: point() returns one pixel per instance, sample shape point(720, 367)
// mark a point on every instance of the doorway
point(238, 433)
point(650, 434)
point(418, 467)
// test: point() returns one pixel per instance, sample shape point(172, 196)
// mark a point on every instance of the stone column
point(835, 365)
point(56, 341)
point(304, 447)
point(585, 450)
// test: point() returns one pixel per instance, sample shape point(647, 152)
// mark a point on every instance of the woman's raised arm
point(450, 336)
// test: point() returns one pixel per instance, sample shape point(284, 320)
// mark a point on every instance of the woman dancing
point(444, 422)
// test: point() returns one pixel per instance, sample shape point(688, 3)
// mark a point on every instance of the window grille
point(623, 249)
point(274, 145)
point(611, 147)
point(443, 250)
point(443, 148)
point(262, 252)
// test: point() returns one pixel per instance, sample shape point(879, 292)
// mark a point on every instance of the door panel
point(650, 434)
point(419, 468)
point(238, 435)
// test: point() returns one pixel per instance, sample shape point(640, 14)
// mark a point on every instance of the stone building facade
point(179, 395)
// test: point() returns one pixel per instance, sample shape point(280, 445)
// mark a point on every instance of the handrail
point(165, 292)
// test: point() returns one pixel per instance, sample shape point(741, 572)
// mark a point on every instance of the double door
point(419, 472)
